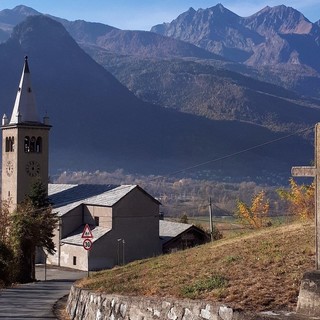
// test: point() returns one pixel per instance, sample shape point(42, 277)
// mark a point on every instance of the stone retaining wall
point(83, 304)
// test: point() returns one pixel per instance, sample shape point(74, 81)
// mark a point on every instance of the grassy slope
point(257, 271)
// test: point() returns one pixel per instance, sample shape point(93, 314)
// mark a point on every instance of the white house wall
point(68, 252)
point(67, 223)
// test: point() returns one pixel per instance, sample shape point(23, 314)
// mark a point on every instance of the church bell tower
point(25, 152)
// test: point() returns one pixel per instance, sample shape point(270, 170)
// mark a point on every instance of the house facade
point(124, 221)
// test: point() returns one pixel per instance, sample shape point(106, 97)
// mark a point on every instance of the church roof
point(66, 197)
point(24, 109)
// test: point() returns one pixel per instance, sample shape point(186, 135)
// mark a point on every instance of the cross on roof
point(313, 171)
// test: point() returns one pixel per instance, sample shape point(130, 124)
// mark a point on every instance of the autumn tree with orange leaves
point(255, 215)
point(300, 199)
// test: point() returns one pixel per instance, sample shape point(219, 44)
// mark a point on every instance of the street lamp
point(119, 242)
point(123, 243)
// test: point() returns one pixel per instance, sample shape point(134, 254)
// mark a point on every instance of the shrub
point(256, 215)
point(300, 199)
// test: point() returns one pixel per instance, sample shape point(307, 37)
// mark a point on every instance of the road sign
point(87, 234)
point(87, 244)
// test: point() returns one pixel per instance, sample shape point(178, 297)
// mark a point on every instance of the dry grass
point(257, 271)
point(59, 309)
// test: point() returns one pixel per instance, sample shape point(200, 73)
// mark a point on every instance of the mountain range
point(178, 103)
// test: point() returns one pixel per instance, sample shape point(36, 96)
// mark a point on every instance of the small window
point(7, 144)
point(96, 220)
point(39, 145)
point(12, 144)
point(74, 260)
point(26, 144)
point(32, 144)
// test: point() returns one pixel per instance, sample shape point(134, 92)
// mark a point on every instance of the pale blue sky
point(143, 14)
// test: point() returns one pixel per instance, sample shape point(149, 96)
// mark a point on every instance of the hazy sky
point(143, 14)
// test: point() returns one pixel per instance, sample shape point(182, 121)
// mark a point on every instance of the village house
point(177, 236)
point(124, 221)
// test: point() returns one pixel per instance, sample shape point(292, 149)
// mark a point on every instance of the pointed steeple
point(24, 109)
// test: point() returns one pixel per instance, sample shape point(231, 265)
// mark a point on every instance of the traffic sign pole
point(87, 243)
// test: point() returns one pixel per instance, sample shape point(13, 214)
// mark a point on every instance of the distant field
point(256, 271)
point(229, 225)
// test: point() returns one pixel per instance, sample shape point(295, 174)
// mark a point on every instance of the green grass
point(204, 285)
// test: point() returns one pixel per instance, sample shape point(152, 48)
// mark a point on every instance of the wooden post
point(210, 219)
point(314, 172)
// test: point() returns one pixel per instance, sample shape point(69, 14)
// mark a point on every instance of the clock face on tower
point(9, 168)
point(33, 168)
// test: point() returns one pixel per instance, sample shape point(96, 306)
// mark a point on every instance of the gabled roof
point(66, 197)
point(24, 109)
point(63, 194)
point(169, 230)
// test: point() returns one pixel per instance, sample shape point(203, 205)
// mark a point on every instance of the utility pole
point(118, 251)
point(210, 219)
point(123, 261)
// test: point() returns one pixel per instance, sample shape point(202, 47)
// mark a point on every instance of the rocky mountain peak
point(279, 19)
point(16, 15)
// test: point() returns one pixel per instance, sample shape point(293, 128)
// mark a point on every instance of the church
point(121, 222)
point(124, 220)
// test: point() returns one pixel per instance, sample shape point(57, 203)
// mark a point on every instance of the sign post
point(309, 294)
point(314, 172)
point(87, 243)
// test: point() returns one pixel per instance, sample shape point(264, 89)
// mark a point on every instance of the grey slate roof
point(170, 229)
point(75, 237)
point(66, 197)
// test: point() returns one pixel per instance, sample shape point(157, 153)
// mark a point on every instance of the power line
point(234, 153)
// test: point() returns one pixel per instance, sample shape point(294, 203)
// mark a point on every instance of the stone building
point(24, 144)
point(124, 219)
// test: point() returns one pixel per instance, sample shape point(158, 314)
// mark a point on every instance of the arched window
point(7, 144)
point(39, 145)
point(32, 144)
point(26, 144)
point(11, 144)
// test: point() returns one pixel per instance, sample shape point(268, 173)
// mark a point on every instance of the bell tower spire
point(24, 109)
point(25, 150)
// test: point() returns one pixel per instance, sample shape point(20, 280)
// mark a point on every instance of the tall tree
point(33, 225)
point(7, 262)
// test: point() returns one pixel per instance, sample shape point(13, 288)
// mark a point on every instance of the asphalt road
point(35, 300)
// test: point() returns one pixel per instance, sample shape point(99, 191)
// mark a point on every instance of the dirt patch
point(59, 309)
